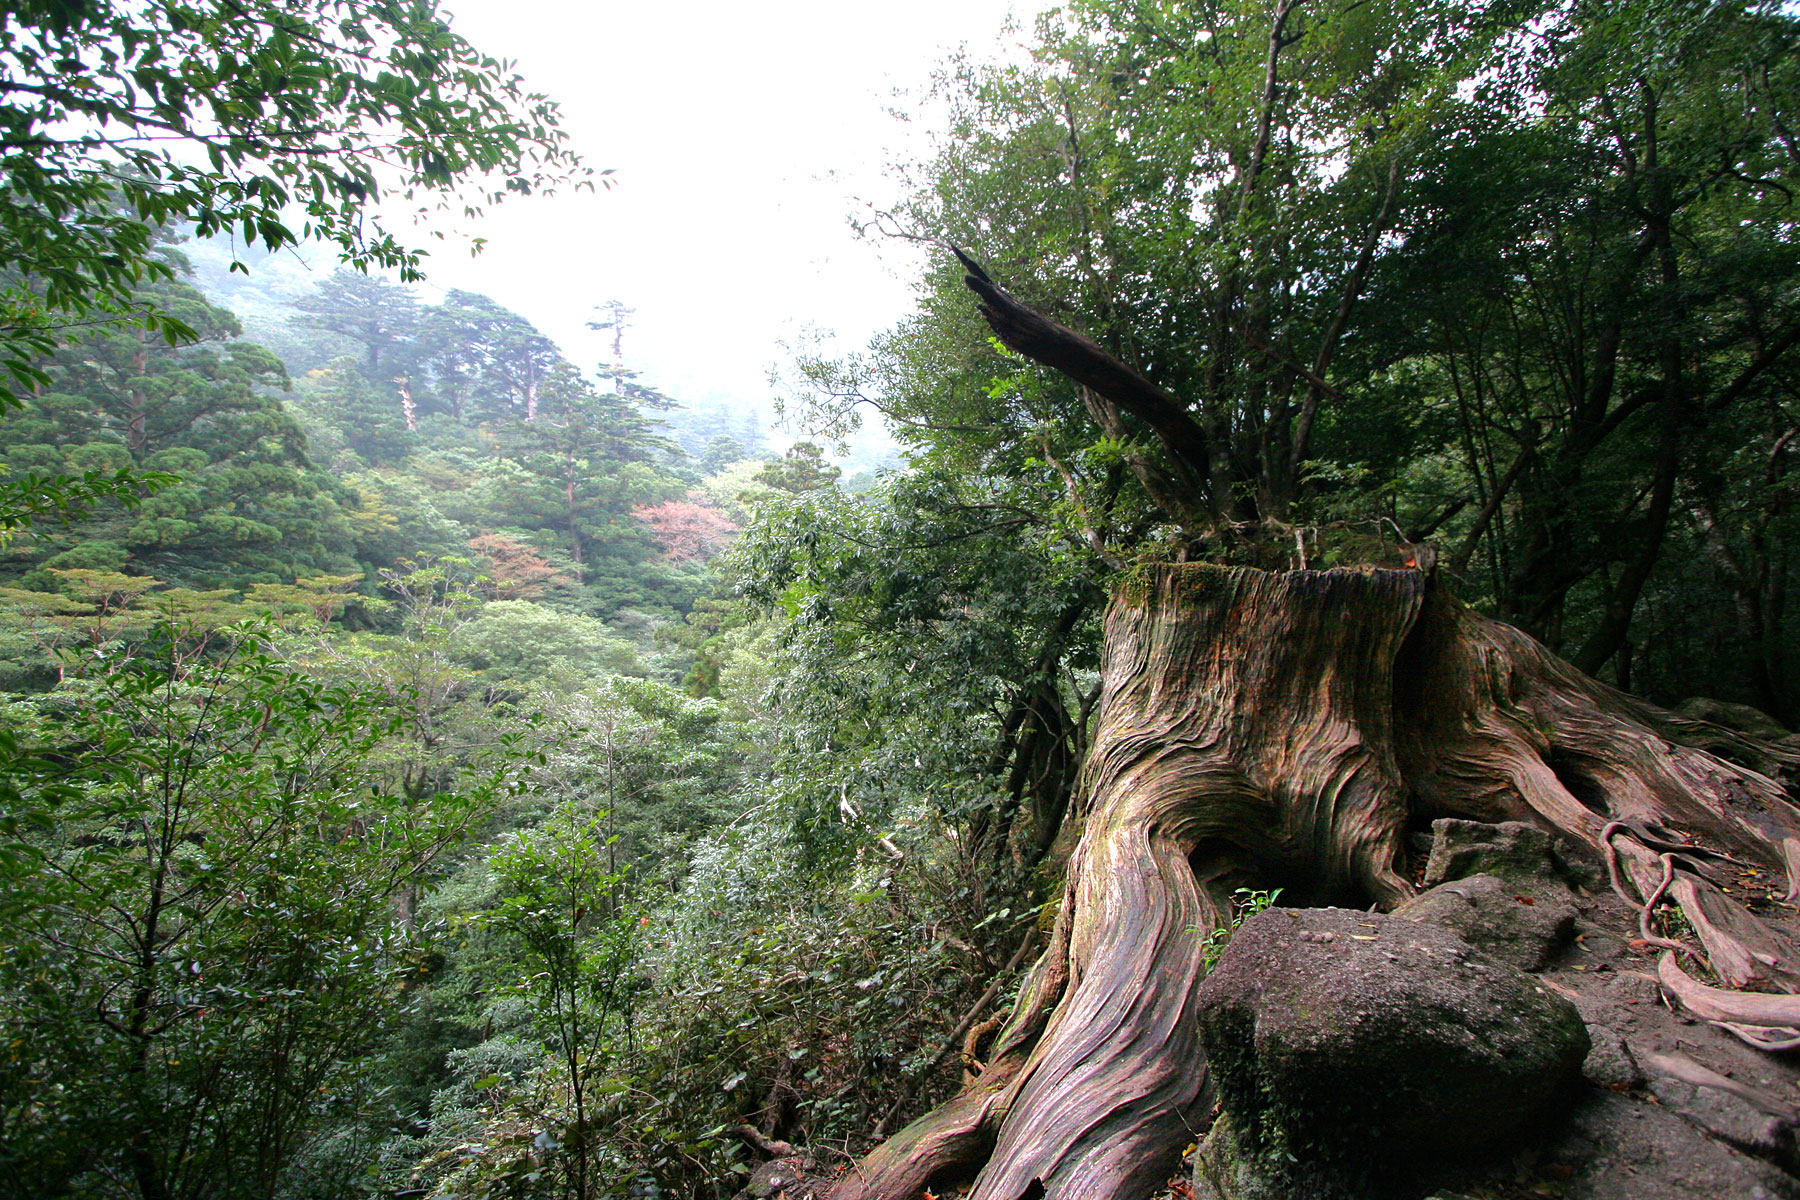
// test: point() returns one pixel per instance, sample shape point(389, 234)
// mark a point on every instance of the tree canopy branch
point(1082, 359)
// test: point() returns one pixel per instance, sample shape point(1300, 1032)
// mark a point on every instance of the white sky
point(741, 138)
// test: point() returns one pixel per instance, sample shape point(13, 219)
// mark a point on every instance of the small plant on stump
point(1245, 903)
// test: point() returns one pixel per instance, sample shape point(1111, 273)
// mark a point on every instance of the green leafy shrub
point(1245, 903)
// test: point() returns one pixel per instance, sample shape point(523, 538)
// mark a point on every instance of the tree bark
point(1497, 728)
point(1263, 729)
point(1285, 729)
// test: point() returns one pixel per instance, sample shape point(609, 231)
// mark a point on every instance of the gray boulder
point(1741, 717)
point(780, 1179)
point(1343, 1042)
point(1521, 925)
point(1520, 854)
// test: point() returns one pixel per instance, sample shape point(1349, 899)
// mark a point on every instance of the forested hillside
point(384, 429)
point(433, 766)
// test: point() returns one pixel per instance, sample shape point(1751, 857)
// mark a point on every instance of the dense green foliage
point(117, 119)
point(445, 427)
point(1519, 279)
point(590, 785)
point(201, 950)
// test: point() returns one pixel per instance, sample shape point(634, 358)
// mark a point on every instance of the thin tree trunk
point(569, 499)
point(408, 408)
point(137, 437)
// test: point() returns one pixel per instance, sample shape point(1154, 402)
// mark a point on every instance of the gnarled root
point(955, 1138)
point(1494, 727)
point(1245, 736)
point(1766, 1022)
point(1283, 730)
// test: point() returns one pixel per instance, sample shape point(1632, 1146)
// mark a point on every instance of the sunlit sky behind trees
point(743, 139)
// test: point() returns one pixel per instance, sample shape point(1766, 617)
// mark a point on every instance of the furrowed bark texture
point(1284, 730)
point(1245, 724)
point(1497, 728)
point(1245, 733)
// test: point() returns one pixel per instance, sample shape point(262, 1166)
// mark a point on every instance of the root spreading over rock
point(1287, 729)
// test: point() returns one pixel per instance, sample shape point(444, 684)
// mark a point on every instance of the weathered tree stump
point(1286, 729)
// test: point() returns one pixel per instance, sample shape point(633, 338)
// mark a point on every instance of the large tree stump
point(1263, 729)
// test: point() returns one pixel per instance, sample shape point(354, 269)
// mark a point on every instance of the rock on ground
point(1342, 1042)
point(1524, 925)
point(781, 1179)
point(1520, 854)
point(1669, 1108)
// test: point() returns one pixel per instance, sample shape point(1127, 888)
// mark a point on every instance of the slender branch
point(857, 396)
point(1459, 562)
point(1771, 353)
point(1334, 335)
point(1095, 536)
point(1265, 117)
point(1419, 533)
point(763, 1144)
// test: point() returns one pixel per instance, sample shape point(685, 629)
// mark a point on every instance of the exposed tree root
point(1286, 729)
point(1765, 1021)
point(954, 1139)
point(963, 1028)
point(1494, 727)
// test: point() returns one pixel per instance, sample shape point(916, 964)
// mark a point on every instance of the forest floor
point(1670, 1108)
point(1650, 1126)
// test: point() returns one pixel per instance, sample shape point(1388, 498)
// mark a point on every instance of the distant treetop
point(273, 121)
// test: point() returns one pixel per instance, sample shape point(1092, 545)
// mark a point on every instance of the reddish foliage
point(687, 530)
point(524, 571)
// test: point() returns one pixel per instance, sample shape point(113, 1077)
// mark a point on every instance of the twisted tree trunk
point(1285, 730)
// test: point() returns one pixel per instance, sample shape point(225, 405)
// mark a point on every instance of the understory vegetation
point(433, 767)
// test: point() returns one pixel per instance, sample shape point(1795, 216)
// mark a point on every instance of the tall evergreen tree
point(248, 502)
point(383, 317)
point(590, 458)
point(486, 362)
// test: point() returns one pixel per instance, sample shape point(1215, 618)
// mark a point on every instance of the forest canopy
point(431, 765)
point(1432, 264)
point(269, 123)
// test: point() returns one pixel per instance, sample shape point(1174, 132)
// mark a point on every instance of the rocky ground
point(1664, 1107)
point(1501, 1037)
